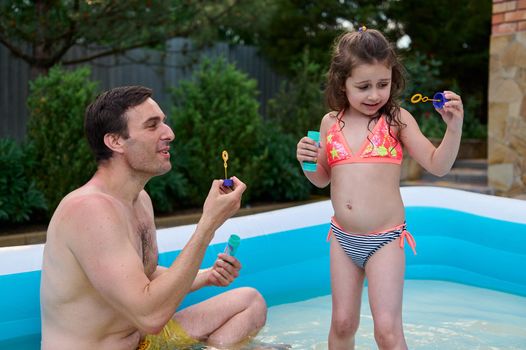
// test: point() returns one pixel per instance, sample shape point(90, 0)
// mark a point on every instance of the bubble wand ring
point(226, 182)
point(438, 99)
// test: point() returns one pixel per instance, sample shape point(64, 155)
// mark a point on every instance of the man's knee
point(256, 304)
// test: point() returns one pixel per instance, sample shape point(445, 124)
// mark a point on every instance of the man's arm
point(224, 271)
point(102, 246)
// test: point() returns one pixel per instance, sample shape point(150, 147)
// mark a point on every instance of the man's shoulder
point(87, 199)
point(84, 206)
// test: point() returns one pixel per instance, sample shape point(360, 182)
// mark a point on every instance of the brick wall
point(507, 99)
point(508, 16)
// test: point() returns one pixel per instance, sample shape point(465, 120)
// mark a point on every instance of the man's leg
point(225, 319)
point(385, 275)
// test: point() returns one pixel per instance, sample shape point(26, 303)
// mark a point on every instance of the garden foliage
point(217, 110)
point(299, 104)
point(423, 76)
point(19, 197)
point(63, 160)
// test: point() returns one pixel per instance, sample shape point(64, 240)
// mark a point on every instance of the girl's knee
point(344, 326)
point(388, 331)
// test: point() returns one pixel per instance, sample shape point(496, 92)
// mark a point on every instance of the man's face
point(148, 145)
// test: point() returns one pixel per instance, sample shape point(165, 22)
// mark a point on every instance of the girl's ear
point(114, 142)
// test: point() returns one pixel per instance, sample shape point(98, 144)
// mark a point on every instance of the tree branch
point(17, 51)
point(112, 51)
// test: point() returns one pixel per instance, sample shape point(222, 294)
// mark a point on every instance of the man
point(101, 286)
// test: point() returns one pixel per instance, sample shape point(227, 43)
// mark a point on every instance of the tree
point(286, 29)
point(41, 32)
point(454, 33)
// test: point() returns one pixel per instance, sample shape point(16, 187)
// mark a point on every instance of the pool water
point(437, 315)
point(466, 238)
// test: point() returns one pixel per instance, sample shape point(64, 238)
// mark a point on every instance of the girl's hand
point(307, 150)
point(453, 112)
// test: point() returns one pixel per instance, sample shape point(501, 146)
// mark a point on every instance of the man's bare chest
point(146, 246)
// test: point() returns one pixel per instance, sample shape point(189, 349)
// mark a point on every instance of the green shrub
point(63, 160)
point(217, 111)
point(299, 104)
point(473, 128)
point(281, 177)
point(19, 197)
point(424, 78)
point(168, 191)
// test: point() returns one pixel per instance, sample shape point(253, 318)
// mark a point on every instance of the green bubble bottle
point(315, 135)
point(232, 245)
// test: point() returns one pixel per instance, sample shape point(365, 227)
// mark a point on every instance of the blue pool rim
point(461, 237)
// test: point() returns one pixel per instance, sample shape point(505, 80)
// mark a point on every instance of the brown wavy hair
point(365, 47)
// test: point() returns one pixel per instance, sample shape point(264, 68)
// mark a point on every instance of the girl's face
point(368, 88)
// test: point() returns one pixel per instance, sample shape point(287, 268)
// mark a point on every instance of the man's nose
point(168, 133)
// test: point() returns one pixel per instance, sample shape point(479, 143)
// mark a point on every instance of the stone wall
point(507, 99)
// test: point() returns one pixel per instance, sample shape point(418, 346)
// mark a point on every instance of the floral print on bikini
point(378, 147)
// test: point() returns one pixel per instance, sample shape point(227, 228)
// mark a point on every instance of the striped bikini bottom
point(360, 247)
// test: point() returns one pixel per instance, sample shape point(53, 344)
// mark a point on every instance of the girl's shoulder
point(404, 113)
point(329, 118)
point(410, 125)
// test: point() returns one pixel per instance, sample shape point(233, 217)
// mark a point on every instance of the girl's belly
point(366, 202)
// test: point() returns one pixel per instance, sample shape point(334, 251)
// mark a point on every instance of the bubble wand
point(438, 99)
point(226, 182)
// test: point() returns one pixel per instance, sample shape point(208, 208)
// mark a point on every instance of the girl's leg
point(347, 285)
point(385, 277)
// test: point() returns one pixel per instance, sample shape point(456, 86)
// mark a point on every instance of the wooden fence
point(159, 70)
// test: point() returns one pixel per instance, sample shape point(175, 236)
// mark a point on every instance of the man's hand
point(225, 270)
point(222, 202)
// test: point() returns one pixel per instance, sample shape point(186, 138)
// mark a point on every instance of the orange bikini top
point(379, 147)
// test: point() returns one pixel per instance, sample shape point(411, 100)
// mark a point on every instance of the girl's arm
point(436, 160)
point(308, 151)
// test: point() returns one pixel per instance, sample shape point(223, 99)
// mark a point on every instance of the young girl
point(360, 153)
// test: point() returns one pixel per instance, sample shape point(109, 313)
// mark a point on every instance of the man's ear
point(114, 142)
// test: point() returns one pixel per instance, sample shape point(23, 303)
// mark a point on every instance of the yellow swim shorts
point(173, 336)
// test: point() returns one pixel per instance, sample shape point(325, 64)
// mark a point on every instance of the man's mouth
point(165, 151)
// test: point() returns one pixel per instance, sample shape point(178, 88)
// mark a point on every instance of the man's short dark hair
point(107, 115)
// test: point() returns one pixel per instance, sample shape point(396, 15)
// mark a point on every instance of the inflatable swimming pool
point(461, 237)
